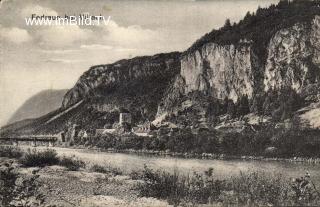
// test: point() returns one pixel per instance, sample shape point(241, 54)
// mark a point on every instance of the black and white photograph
point(159, 103)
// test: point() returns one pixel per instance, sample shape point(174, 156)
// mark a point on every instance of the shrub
point(10, 152)
point(33, 158)
point(305, 191)
point(178, 188)
point(259, 189)
point(247, 189)
point(163, 185)
point(72, 163)
point(16, 190)
point(298, 142)
point(98, 168)
point(114, 170)
point(136, 175)
point(106, 169)
point(8, 178)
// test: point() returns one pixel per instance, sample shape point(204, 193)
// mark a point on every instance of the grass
point(259, 189)
point(10, 152)
point(247, 189)
point(105, 169)
point(177, 188)
point(72, 163)
point(98, 168)
point(39, 158)
point(35, 158)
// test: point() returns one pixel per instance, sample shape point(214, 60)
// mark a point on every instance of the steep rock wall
point(294, 57)
point(222, 71)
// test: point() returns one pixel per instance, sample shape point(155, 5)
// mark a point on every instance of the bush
point(178, 188)
point(259, 189)
point(98, 168)
point(114, 170)
point(33, 158)
point(107, 169)
point(298, 142)
point(10, 152)
point(72, 163)
point(16, 190)
point(136, 175)
point(247, 189)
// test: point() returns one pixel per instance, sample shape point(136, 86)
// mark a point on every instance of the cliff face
point(222, 71)
point(228, 70)
point(293, 57)
point(102, 78)
point(233, 71)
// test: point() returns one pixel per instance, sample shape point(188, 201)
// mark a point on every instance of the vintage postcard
point(155, 103)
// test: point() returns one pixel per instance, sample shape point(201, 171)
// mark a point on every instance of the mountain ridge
point(38, 105)
point(226, 72)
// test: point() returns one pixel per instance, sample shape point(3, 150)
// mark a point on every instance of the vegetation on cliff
point(261, 25)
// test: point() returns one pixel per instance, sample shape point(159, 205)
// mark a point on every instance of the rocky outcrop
point(232, 71)
point(293, 57)
point(102, 78)
point(293, 61)
point(222, 71)
point(174, 92)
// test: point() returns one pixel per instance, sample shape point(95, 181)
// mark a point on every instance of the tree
point(243, 107)
point(227, 24)
point(225, 105)
point(283, 3)
point(248, 16)
point(231, 110)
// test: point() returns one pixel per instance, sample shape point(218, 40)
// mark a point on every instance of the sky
point(36, 58)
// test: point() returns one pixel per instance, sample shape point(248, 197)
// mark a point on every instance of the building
point(144, 129)
point(125, 118)
point(104, 131)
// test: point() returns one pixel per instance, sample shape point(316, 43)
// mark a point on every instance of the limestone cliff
point(228, 71)
point(231, 71)
point(223, 71)
point(293, 57)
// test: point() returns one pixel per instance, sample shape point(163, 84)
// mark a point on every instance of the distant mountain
point(39, 105)
point(266, 65)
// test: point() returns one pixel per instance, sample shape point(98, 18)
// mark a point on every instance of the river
point(221, 168)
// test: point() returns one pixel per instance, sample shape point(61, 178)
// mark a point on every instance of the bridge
point(34, 140)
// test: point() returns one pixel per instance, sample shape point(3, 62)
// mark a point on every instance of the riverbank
point(216, 156)
point(199, 156)
point(102, 185)
point(84, 188)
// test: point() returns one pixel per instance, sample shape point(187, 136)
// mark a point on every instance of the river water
point(221, 168)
